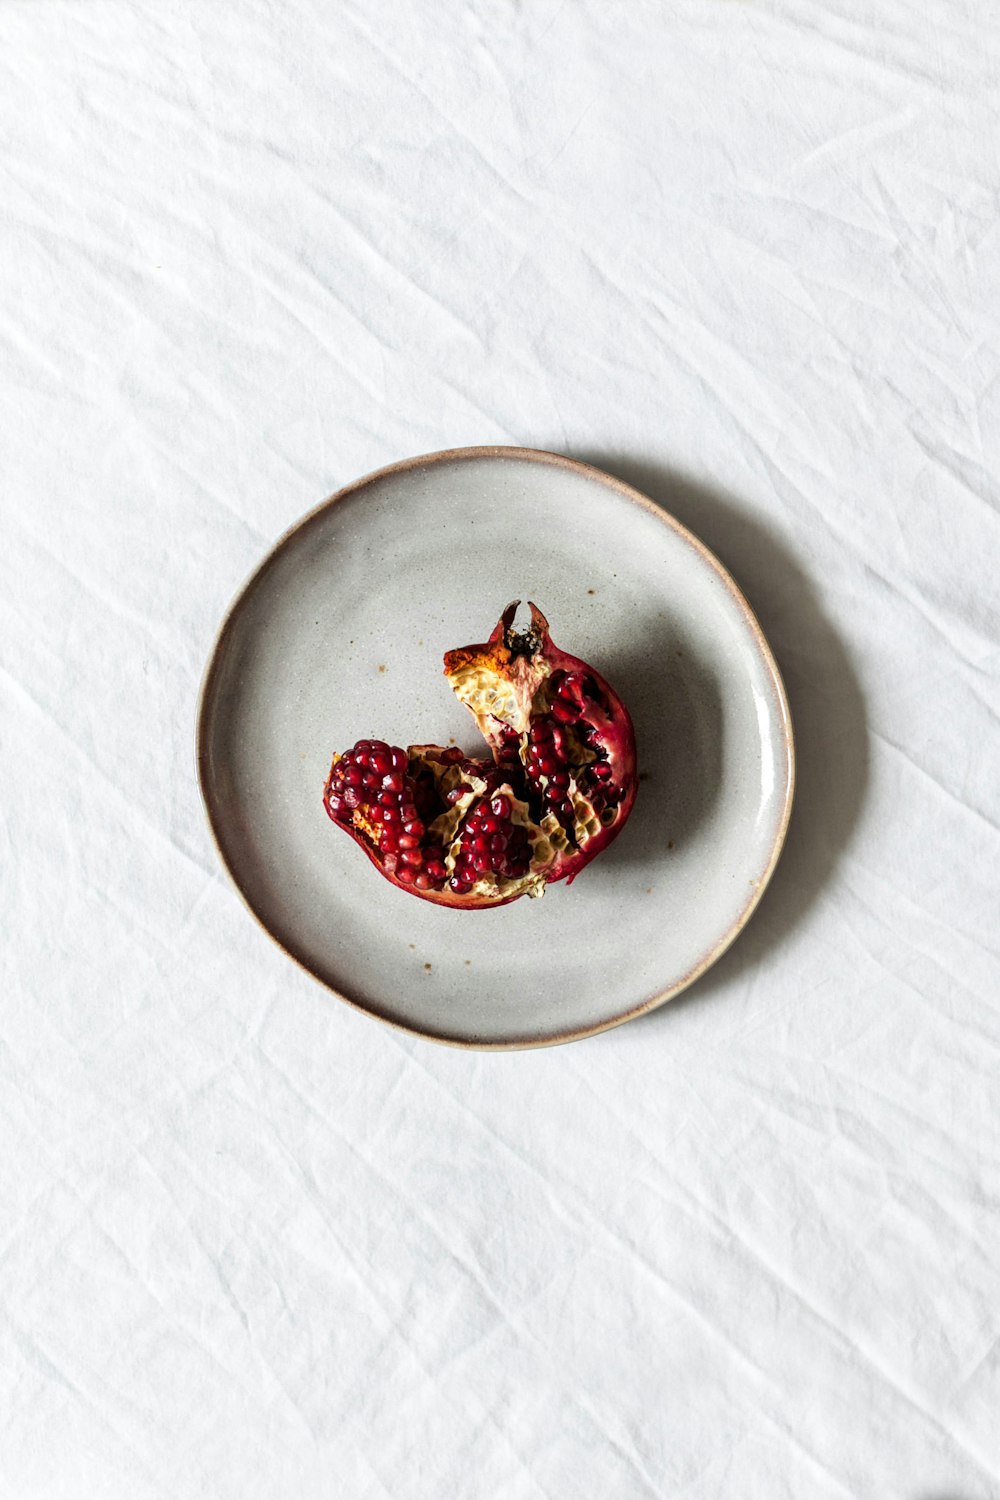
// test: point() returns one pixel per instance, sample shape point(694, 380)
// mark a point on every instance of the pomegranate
point(476, 833)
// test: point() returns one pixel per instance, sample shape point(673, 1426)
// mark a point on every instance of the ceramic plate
point(339, 636)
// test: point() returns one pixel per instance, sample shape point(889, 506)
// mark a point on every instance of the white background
point(746, 255)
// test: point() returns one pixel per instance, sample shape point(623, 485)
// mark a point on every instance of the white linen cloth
point(746, 255)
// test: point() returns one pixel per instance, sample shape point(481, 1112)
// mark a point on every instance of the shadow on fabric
point(827, 704)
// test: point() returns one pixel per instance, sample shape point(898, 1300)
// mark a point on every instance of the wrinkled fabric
point(745, 256)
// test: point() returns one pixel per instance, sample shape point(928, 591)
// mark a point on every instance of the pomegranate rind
point(497, 682)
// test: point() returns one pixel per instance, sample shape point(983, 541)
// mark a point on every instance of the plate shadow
point(824, 692)
point(680, 773)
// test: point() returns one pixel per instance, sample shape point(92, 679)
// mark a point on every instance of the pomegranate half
point(475, 833)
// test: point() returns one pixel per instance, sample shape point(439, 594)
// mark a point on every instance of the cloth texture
point(744, 254)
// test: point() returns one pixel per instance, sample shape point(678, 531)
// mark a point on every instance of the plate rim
point(636, 497)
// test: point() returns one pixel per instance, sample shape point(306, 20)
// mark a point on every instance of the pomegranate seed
point(389, 863)
point(405, 874)
point(498, 843)
point(412, 857)
point(566, 713)
point(352, 797)
point(423, 881)
point(394, 781)
point(336, 805)
point(353, 777)
point(407, 811)
point(414, 827)
point(548, 765)
point(459, 886)
point(500, 807)
point(602, 770)
point(436, 869)
point(399, 758)
point(409, 840)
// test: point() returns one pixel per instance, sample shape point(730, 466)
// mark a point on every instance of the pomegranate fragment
point(474, 833)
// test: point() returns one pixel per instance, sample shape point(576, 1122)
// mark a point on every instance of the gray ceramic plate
point(339, 636)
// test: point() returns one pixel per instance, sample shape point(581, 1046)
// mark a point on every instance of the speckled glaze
point(339, 635)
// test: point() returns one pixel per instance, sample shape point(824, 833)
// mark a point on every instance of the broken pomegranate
point(475, 833)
